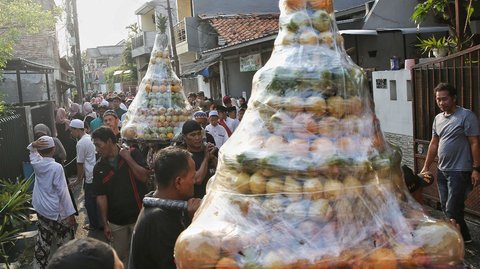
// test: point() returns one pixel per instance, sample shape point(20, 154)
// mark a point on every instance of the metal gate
point(13, 140)
point(461, 70)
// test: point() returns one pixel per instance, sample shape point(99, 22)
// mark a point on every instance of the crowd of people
point(115, 177)
point(87, 150)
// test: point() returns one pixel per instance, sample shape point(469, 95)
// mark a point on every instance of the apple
point(241, 182)
point(321, 21)
point(326, 38)
point(308, 37)
point(320, 211)
point(316, 104)
point(274, 185)
point(312, 189)
point(336, 106)
point(257, 183)
point(333, 189)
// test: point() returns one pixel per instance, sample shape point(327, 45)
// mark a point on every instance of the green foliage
point(110, 79)
point(18, 18)
point(133, 29)
point(161, 23)
point(127, 53)
point(426, 45)
point(14, 200)
point(445, 11)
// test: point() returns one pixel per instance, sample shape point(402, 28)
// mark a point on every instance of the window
point(393, 90)
point(409, 91)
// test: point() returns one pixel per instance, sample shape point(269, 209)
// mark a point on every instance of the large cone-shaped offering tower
point(160, 107)
point(307, 180)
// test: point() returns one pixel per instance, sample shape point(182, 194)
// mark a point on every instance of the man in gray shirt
point(455, 139)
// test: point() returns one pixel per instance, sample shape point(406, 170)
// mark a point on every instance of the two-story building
point(41, 79)
point(97, 60)
point(142, 43)
point(221, 46)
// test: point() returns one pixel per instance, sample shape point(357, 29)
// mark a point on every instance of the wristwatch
point(476, 168)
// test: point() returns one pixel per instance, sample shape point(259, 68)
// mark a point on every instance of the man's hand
point(71, 221)
point(124, 152)
point(107, 231)
point(192, 205)
point(475, 178)
point(211, 150)
point(39, 143)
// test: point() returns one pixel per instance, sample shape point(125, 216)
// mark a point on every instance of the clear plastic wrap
point(160, 107)
point(307, 180)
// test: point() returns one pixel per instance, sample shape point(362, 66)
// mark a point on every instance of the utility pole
point(172, 40)
point(77, 58)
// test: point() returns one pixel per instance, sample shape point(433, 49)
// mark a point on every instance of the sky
point(101, 22)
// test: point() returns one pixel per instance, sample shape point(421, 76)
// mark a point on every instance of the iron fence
point(462, 70)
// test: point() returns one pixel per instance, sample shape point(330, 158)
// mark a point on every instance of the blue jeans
point(91, 206)
point(453, 189)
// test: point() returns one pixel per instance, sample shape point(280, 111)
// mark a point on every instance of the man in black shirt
point(202, 154)
point(157, 229)
point(119, 179)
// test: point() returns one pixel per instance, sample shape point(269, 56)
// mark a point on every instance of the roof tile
point(240, 28)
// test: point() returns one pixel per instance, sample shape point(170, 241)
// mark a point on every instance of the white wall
point(204, 86)
point(395, 115)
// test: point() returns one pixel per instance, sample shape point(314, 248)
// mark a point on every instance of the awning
point(143, 68)
point(65, 85)
point(21, 66)
point(358, 32)
point(403, 30)
point(415, 30)
point(28, 66)
point(201, 64)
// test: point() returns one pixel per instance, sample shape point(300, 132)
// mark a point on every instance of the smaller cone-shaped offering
point(307, 180)
point(160, 107)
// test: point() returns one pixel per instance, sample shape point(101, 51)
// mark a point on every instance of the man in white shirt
point(50, 200)
point(85, 162)
point(231, 120)
point(217, 131)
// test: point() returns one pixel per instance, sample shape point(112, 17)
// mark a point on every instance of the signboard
point(381, 83)
point(250, 63)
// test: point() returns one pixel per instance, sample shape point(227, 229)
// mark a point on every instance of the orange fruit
point(382, 258)
point(322, 4)
point(291, 5)
point(226, 263)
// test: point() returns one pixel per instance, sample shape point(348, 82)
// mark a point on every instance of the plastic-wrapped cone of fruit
point(307, 180)
point(160, 107)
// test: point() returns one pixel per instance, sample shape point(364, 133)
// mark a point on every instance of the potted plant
point(438, 47)
point(447, 11)
point(14, 215)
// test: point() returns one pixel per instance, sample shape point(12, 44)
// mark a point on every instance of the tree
point(445, 11)
point(19, 18)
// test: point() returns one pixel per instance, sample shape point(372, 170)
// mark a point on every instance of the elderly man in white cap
point(50, 200)
point(216, 130)
point(85, 162)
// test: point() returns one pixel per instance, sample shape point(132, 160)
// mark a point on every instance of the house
point(142, 43)
point(210, 38)
point(375, 31)
point(213, 45)
point(97, 60)
point(39, 54)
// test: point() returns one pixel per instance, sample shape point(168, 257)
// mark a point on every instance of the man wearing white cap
point(50, 200)
point(85, 162)
point(216, 130)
